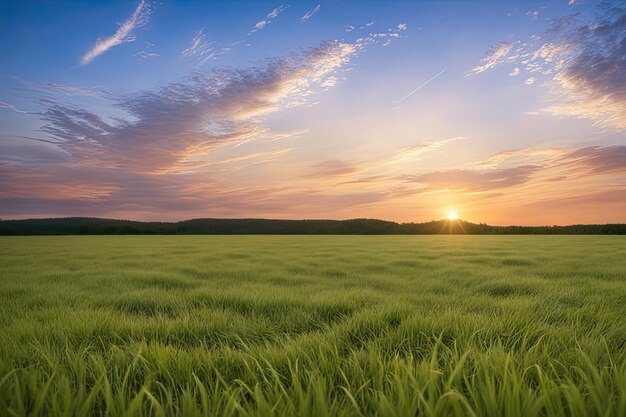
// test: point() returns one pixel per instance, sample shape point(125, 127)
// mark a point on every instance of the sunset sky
point(507, 113)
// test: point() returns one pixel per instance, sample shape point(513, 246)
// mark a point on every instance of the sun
point(452, 215)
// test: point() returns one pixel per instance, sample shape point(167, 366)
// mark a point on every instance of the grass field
point(313, 326)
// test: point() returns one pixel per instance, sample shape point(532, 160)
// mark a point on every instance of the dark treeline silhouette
point(95, 226)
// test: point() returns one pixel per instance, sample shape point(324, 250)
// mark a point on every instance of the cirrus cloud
point(581, 63)
point(495, 55)
point(268, 19)
point(122, 35)
point(310, 13)
point(184, 119)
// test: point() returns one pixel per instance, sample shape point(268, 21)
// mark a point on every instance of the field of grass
point(313, 326)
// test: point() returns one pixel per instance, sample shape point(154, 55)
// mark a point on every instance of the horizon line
point(2, 219)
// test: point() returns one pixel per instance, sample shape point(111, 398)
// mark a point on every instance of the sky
point(505, 112)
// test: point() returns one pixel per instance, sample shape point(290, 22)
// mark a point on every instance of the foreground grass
point(313, 326)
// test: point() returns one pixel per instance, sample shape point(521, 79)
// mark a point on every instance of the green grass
point(313, 326)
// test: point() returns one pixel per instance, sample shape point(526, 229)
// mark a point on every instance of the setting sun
point(452, 215)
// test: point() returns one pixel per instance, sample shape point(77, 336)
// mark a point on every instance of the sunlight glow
point(452, 215)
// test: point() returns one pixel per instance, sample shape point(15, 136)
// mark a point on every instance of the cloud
point(385, 163)
point(255, 158)
point(70, 190)
point(366, 180)
point(333, 168)
point(147, 55)
point(123, 34)
point(581, 64)
point(514, 72)
point(175, 150)
point(530, 81)
point(200, 48)
point(373, 37)
point(533, 178)
point(269, 18)
point(24, 151)
point(310, 13)
point(108, 181)
point(495, 55)
point(521, 156)
point(596, 160)
point(267, 135)
point(615, 196)
point(386, 35)
point(67, 89)
point(11, 107)
point(533, 14)
point(592, 82)
point(329, 82)
point(165, 128)
point(49, 183)
point(478, 180)
point(412, 153)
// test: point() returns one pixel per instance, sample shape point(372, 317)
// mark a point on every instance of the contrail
point(421, 86)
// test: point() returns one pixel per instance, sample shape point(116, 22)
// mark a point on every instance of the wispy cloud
point(580, 62)
point(373, 36)
point(163, 150)
point(256, 158)
point(412, 153)
point(11, 107)
point(181, 120)
point(123, 34)
point(596, 160)
point(537, 169)
point(495, 55)
point(591, 83)
point(69, 89)
point(52, 87)
point(310, 13)
point(268, 18)
point(521, 156)
point(533, 14)
point(147, 54)
point(418, 88)
point(200, 47)
point(332, 168)
point(478, 180)
point(385, 164)
point(268, 135)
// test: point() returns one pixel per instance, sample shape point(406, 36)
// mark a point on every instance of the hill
point(97, 226)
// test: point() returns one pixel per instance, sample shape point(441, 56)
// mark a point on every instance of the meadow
point(313, 326)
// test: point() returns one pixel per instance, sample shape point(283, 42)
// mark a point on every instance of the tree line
point(97, 226)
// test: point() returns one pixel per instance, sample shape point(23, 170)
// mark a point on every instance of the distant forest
point(95, 226)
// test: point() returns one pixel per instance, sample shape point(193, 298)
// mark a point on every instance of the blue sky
point(507, 112)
